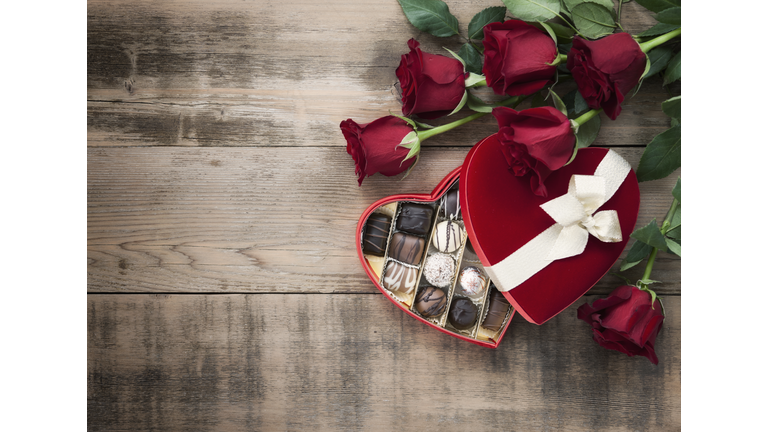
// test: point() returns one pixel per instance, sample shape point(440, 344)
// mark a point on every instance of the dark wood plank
point(355, 362)
point(260, 219)
point(236, 73)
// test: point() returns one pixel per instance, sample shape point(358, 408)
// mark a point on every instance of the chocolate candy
point(450, 206)
point(472, 282)
point(376, 233)
point(415, 218)
point(439, 269)
point(497, 311)
point(400, 278)
point(406, 248)
point(430, 302)
point(447, 237)
point(463, 314)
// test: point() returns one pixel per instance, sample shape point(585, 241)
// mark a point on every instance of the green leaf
point(533, 10)
point(473, 60)
point(461, 103)
point(538, 100)
point(431, 16)
point(671, 107)
point(483, 18)
point(570, 4)
point(659, 58)
point(675, 233)
point(676, 191)
point(575, 103)
point(673, 71)
point(564, 34)
point(675, 221)
point(656, 5)
point(661, 157)
point(658, 30)
point(558, 103)
point(669, 16)
point(637, 253)
point(674, 246)
point(588, 132)
point(593, 20)
point(650, 235)
point(476, 104)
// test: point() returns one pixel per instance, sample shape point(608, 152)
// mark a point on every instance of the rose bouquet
point(525, 50)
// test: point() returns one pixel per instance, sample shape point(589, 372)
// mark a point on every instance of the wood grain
point(355, 362)
point(235, 73)
point(260, 219)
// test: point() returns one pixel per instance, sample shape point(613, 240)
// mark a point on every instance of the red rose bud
point(375, 146)
point(535, 139)
point(432, 85)
point(606, 69)
point(625, 321)
point(517, 58)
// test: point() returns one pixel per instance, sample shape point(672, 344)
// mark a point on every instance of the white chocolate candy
point(447, 237)
point(472, 282)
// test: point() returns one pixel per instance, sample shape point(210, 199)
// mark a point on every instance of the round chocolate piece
point(447, 236)
point(463, 314)
point(439, 269)
point(430, 302)
point(472, 282)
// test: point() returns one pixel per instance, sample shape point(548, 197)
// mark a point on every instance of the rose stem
point(653, 43)
point(587, 116)
point(428, 133)
point(664, 227)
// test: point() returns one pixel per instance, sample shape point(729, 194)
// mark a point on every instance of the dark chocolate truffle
point(400, 278)
point(463, 314)
point(415, 218)
point(406, 248)
point(430, 302)
point(450, 206)
point(497, 311)
point(376, 233)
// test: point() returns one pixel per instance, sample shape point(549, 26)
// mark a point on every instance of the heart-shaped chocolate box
point(499, 216)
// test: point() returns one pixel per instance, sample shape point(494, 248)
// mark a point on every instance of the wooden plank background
point(224, 292)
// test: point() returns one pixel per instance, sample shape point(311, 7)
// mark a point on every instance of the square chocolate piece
point(415, 218)
point(376, 233)
point(406, 248)
point(400, 278)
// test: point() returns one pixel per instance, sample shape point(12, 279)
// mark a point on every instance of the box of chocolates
point(482, 247)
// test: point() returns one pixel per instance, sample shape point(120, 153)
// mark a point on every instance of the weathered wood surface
point(356, 362)
point(260, 219)
point(216, 165)
point(235, 73)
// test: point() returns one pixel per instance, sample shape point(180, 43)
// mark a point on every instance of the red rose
point(375, 146)
point(432, 85)
point(625, 321)
point(517, 57)
point(535, 139)
point(606, 69)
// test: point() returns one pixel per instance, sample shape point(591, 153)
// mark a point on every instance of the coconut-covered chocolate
point(406, 248)
point(439, 269)
point(376, 233)
point(462, 314)
point(430, 302)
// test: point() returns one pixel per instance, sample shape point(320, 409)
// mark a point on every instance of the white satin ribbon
point(575, 219)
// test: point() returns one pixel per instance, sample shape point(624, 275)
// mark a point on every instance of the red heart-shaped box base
point(501, 214)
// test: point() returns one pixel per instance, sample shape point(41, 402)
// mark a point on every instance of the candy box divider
point(386, 246)
point(456, 255)
point(480, 303)
point(393, 229)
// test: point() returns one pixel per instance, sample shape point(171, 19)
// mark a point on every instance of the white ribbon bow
point(574, 213)
point(574, 221)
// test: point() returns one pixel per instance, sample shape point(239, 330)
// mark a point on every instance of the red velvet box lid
point(501, 215)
